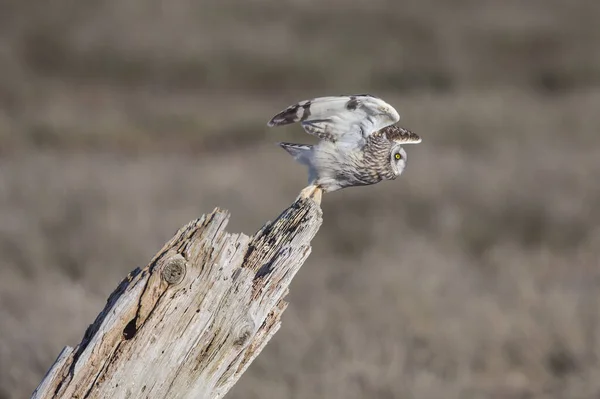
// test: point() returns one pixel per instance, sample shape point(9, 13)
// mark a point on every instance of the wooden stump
point(190, 323)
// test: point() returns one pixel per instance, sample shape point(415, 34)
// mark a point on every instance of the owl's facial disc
point(398, 160)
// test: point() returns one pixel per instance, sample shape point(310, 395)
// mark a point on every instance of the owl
point(359, 144)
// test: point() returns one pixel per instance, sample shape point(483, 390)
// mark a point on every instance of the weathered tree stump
point(190, 323)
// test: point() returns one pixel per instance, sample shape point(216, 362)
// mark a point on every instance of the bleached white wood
point(191, 322)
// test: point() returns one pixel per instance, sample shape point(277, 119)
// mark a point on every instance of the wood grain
point(190, 323)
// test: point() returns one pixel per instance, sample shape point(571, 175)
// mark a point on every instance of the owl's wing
point(339, 118)
point(401, 135)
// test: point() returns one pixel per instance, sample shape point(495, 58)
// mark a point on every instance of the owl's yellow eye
point(398, 156)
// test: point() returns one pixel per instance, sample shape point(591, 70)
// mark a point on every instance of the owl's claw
point(313, 192)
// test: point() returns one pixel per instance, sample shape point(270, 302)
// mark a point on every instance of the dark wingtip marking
point(276, 121)
point(306, 112)
point(283, 118)
point(295, 146)
point(352, 104)
point(290, 115)
point(295, 149)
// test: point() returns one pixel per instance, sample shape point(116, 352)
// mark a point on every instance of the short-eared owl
point(359, 143)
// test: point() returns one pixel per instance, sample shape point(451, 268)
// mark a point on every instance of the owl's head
point(399, 136)
point(398, 160)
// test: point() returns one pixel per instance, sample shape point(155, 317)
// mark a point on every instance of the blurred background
point(474, 275)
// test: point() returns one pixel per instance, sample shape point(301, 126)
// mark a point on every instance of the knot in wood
point(174, 270)
point(243, 331)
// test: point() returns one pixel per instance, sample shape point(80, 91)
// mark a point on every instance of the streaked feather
point(401, 135)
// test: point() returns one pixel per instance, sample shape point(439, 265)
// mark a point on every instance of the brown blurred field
point(475, 275)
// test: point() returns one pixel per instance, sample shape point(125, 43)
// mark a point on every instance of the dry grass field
point(474, 275)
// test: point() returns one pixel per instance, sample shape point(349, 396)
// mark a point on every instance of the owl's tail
point(300, 152)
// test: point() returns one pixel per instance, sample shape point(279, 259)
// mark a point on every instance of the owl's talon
point(317, 195)
point(313, 192)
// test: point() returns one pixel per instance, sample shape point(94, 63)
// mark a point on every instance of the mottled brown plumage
point(400, 134)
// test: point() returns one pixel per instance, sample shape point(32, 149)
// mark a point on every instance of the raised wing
point(401, 135)
point(347, 118)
